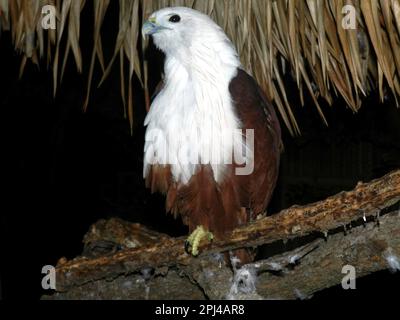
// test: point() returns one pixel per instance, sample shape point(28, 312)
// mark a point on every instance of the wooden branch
point(365, 201)
point(300, 273)
point(296, 274)
point(366, 248)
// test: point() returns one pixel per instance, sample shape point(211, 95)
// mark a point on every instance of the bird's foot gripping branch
point(192, 243)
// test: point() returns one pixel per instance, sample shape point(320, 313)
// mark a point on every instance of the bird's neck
point(204, 62)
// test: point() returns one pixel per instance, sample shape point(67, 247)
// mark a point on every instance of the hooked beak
point(151, 27)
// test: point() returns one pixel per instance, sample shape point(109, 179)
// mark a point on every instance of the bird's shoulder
point(251, 103)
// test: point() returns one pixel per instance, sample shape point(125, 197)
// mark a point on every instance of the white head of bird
point(184, 33)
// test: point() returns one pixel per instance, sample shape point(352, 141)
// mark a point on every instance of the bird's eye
point(175, 18)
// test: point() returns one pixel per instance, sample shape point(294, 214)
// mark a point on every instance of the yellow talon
point(193, 241)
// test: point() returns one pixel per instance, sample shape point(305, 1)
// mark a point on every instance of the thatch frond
point(307, 38)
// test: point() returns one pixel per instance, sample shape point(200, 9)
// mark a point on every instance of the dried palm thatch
point(273, 37)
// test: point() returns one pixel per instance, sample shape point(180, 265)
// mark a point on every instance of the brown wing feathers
point(256, 113)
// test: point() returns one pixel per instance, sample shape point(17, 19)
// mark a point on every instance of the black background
point(66, 169)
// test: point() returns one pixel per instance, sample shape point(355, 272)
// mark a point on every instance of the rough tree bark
point(360, 228)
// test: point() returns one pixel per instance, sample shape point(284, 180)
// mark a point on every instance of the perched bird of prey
point(213, 141)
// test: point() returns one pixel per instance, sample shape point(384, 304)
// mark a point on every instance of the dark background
point(69, 169)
